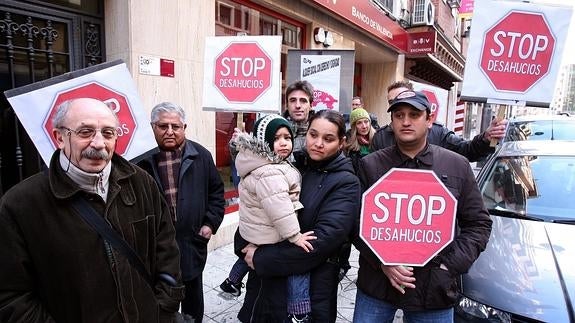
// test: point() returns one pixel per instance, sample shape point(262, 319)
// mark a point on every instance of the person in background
point(331, 195)
point(299, 98)
point(360, 135)
point(269, 201)
point(428, 293)
point(186, 173)
point(439, 135)
point(356, 103)
point(55, 266)
point(357, 145)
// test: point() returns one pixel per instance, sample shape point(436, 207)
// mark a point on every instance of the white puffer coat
point(269, 194)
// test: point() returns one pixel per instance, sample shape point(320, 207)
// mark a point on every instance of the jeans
point(371, 310)
point(239, 271)
point(298, 294)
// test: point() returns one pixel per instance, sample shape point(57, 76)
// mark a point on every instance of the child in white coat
point(269, 199)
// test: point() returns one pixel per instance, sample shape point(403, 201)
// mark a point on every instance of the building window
point(90, 7)
point(384, 4)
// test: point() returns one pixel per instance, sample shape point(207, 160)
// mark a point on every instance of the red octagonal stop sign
point(115, 100)
point(407, 217)
point(432, 98)
point(517, 51)
point(243, 72)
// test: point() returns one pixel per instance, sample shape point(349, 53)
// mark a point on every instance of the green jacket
point(56, 268)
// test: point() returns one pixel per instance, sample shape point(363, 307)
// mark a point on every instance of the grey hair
point(168, 107)
point(62, 110)
point(60, 116)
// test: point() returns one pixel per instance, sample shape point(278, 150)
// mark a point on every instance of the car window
point(538, 186)
point(541, 130)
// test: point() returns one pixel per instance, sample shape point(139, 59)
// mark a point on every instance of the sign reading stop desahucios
point(515, 51)
point(242, 74)
point(110, 82)
point(407, 217)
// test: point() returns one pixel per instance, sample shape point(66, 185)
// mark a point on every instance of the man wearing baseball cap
point(425, 293)
point(475, 149)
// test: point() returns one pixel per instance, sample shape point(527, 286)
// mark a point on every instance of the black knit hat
point(266, 127)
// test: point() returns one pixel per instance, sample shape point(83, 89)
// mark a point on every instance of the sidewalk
point(221, 308)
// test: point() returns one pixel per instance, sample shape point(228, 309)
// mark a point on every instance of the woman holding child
point(331, 195)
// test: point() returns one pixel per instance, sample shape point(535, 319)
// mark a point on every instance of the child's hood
point(252, 154)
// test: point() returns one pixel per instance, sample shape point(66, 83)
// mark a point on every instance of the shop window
point(224, 14)
point(268, 25)
point(291, 35)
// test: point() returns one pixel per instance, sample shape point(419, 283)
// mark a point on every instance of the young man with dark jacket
point(427, 292)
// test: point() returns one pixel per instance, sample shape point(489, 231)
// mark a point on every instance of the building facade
point(420, 40)
point(564, 98)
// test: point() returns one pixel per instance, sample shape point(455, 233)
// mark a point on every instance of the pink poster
point(466, 8)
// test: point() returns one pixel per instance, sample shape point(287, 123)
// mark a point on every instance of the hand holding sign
point(400, 277)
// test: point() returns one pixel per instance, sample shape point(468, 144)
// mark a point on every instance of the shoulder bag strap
point(97, 222)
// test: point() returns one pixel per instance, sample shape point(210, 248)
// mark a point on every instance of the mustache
point(92, 153)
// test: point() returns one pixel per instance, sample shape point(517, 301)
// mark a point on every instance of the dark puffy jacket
point(435, 288)
point(331, 197)
point(200, 202)
point(56, 268)
point(439, 135)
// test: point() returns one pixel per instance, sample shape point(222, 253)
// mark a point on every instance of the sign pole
point(240, 121)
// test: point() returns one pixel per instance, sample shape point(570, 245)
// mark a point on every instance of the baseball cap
point(415, 99)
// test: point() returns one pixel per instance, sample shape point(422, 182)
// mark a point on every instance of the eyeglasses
point(89, 133)
point(402, 95)
point(165, 126)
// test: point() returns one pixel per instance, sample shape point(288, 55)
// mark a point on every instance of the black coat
point(200, 202)
point(439, 135)
point(435, 288)
point(331, 197)
point(56, 268)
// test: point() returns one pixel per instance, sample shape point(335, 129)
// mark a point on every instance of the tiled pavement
point(223, 309)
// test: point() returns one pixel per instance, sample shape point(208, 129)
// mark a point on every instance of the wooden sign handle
point(240, 121)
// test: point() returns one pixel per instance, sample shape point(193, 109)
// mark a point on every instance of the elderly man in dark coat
point(55, 267)
point(187, 175)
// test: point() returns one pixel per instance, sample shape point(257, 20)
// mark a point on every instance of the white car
point(527, 272)
point(540, 127)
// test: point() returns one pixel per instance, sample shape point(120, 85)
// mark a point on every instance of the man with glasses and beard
point(439, 135)
point(55, 266)
point(186, 174)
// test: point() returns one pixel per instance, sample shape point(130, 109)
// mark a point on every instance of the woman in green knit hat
point(361, 133)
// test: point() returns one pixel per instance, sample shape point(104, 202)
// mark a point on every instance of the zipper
point(100, 183)
point(256, 300)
